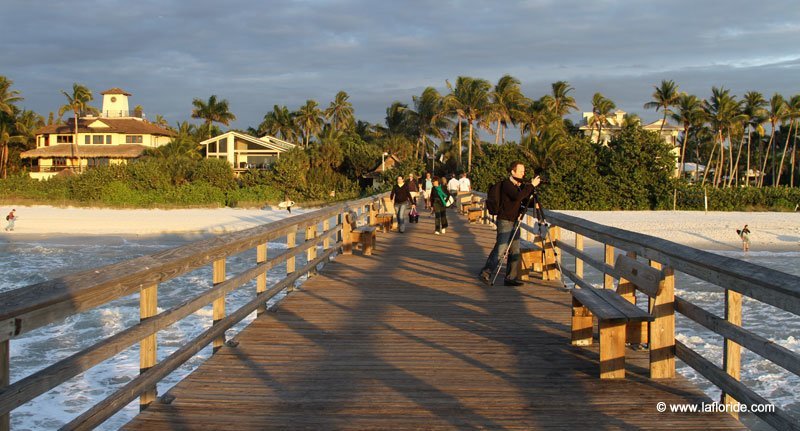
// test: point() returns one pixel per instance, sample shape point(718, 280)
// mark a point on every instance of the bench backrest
point(351, 219)
point(647, 279)
point(388, 205)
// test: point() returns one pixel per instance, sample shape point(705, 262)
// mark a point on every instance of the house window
point(223, 146)
point(87, 140)
point(134, 139)
point(97, 161)
point(97, 139)
point(212, 147)
point(108, 139)
point(59, 161)
point(64, 139)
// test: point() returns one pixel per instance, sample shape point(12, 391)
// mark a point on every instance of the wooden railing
point(32, 307)
point(734, 276)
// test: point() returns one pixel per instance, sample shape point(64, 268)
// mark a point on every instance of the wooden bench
point(620, 320)
point(381, 220)
point(531, 259)
point(363, 236)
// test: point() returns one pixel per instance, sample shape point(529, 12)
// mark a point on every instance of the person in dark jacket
point(401, 196)
point(438, 203)
point(515, 197)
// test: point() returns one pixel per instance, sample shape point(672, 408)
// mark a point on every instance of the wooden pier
point(403, 335)
point(409, 338)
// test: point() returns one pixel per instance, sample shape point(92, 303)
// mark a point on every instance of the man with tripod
point(516, 197)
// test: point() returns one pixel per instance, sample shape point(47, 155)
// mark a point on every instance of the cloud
point(257, 54)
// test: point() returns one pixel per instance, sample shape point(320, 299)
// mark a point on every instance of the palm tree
point(777, 112)
point(340, 112)
point(309, 118)
point(470, 97)
point(792, 113)
point(279, 122)
point(211, 112)
point(560, 102)
point(7, 96)
point(754, 104)
point(722, 111)
point(505, 100)
point(426, 118)
point(601, 108)
point(690, 114)
point(161, 121)
point(665, 96)
point(77, 102)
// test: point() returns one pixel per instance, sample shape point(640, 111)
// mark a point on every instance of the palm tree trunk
point(736, 165)
point(747, 172)
point(469, 149)
point(766, 158)
point(4, 161)
point(75, 144)
point(683, 149)
point(794, 154)
point(663, 121)
point(708, 165)
point(458, 161)
point(783, 156)
point(497, 134)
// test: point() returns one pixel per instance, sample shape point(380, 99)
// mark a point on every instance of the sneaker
point(444, 230)
point(512, 282)
point(484, 277)
point(437, 233)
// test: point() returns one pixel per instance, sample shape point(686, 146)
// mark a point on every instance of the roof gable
point(266, 141)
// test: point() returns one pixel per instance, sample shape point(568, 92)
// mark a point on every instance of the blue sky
point(257, 54)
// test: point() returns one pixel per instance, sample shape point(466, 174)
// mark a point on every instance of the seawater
point(26, 262)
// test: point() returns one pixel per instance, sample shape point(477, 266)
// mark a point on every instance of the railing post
point(662, 329)
point(373, 215)
point(311, 253)
point(291, 241)
point(636, 332)
point(731, 358)
point(148, 307)
point(347, 238)
point(5, 379)
point(219, 303)
point(326, 225)
point(579, 261)
point(261, 279)
point(608, 279)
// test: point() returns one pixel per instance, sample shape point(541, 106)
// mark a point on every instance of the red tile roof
point(116, 90)
point(126, 126)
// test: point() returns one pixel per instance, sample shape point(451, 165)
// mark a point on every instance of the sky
point(257, 54)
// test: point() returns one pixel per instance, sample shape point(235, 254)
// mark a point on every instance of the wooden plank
point(645, 278)
point(578, 260)
point(261, 279)
point(608, 278)
point(662, 329)
point(148, 307)
point(612, 349)
point(5, 376)
point(732, 352)
point(598, 305)
point(631, 312)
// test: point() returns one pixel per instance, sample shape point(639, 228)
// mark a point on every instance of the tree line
point(441, 132)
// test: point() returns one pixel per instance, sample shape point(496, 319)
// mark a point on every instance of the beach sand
point(713, 230)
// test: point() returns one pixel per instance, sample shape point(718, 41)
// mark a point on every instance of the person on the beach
point(515, 199)
point(11, 218)
point(744, 234)
point(438, 203)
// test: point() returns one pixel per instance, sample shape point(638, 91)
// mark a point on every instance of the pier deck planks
point(409, 338)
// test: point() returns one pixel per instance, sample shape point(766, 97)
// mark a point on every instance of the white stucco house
point(245, 152)
point(114, 137)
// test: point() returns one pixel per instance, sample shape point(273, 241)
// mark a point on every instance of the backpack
point(493, 198)
point(8, 217)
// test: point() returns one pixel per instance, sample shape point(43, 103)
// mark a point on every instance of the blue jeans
point(401, 211)
point(504, 230)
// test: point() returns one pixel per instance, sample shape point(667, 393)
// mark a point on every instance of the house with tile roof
point(244, 151)
point(116, 136)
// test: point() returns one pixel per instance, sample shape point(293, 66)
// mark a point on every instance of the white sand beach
point(713, 230)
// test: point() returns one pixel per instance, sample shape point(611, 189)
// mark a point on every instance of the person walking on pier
point(515, 199)
point(401, 196)
point(438, 202)
point(427, 186)
point(744, 234)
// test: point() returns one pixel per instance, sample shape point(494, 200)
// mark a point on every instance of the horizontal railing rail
point(26, 309)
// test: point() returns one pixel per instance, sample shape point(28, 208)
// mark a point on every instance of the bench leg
point(581, 324)
point(612, 349)
point(367, 242)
